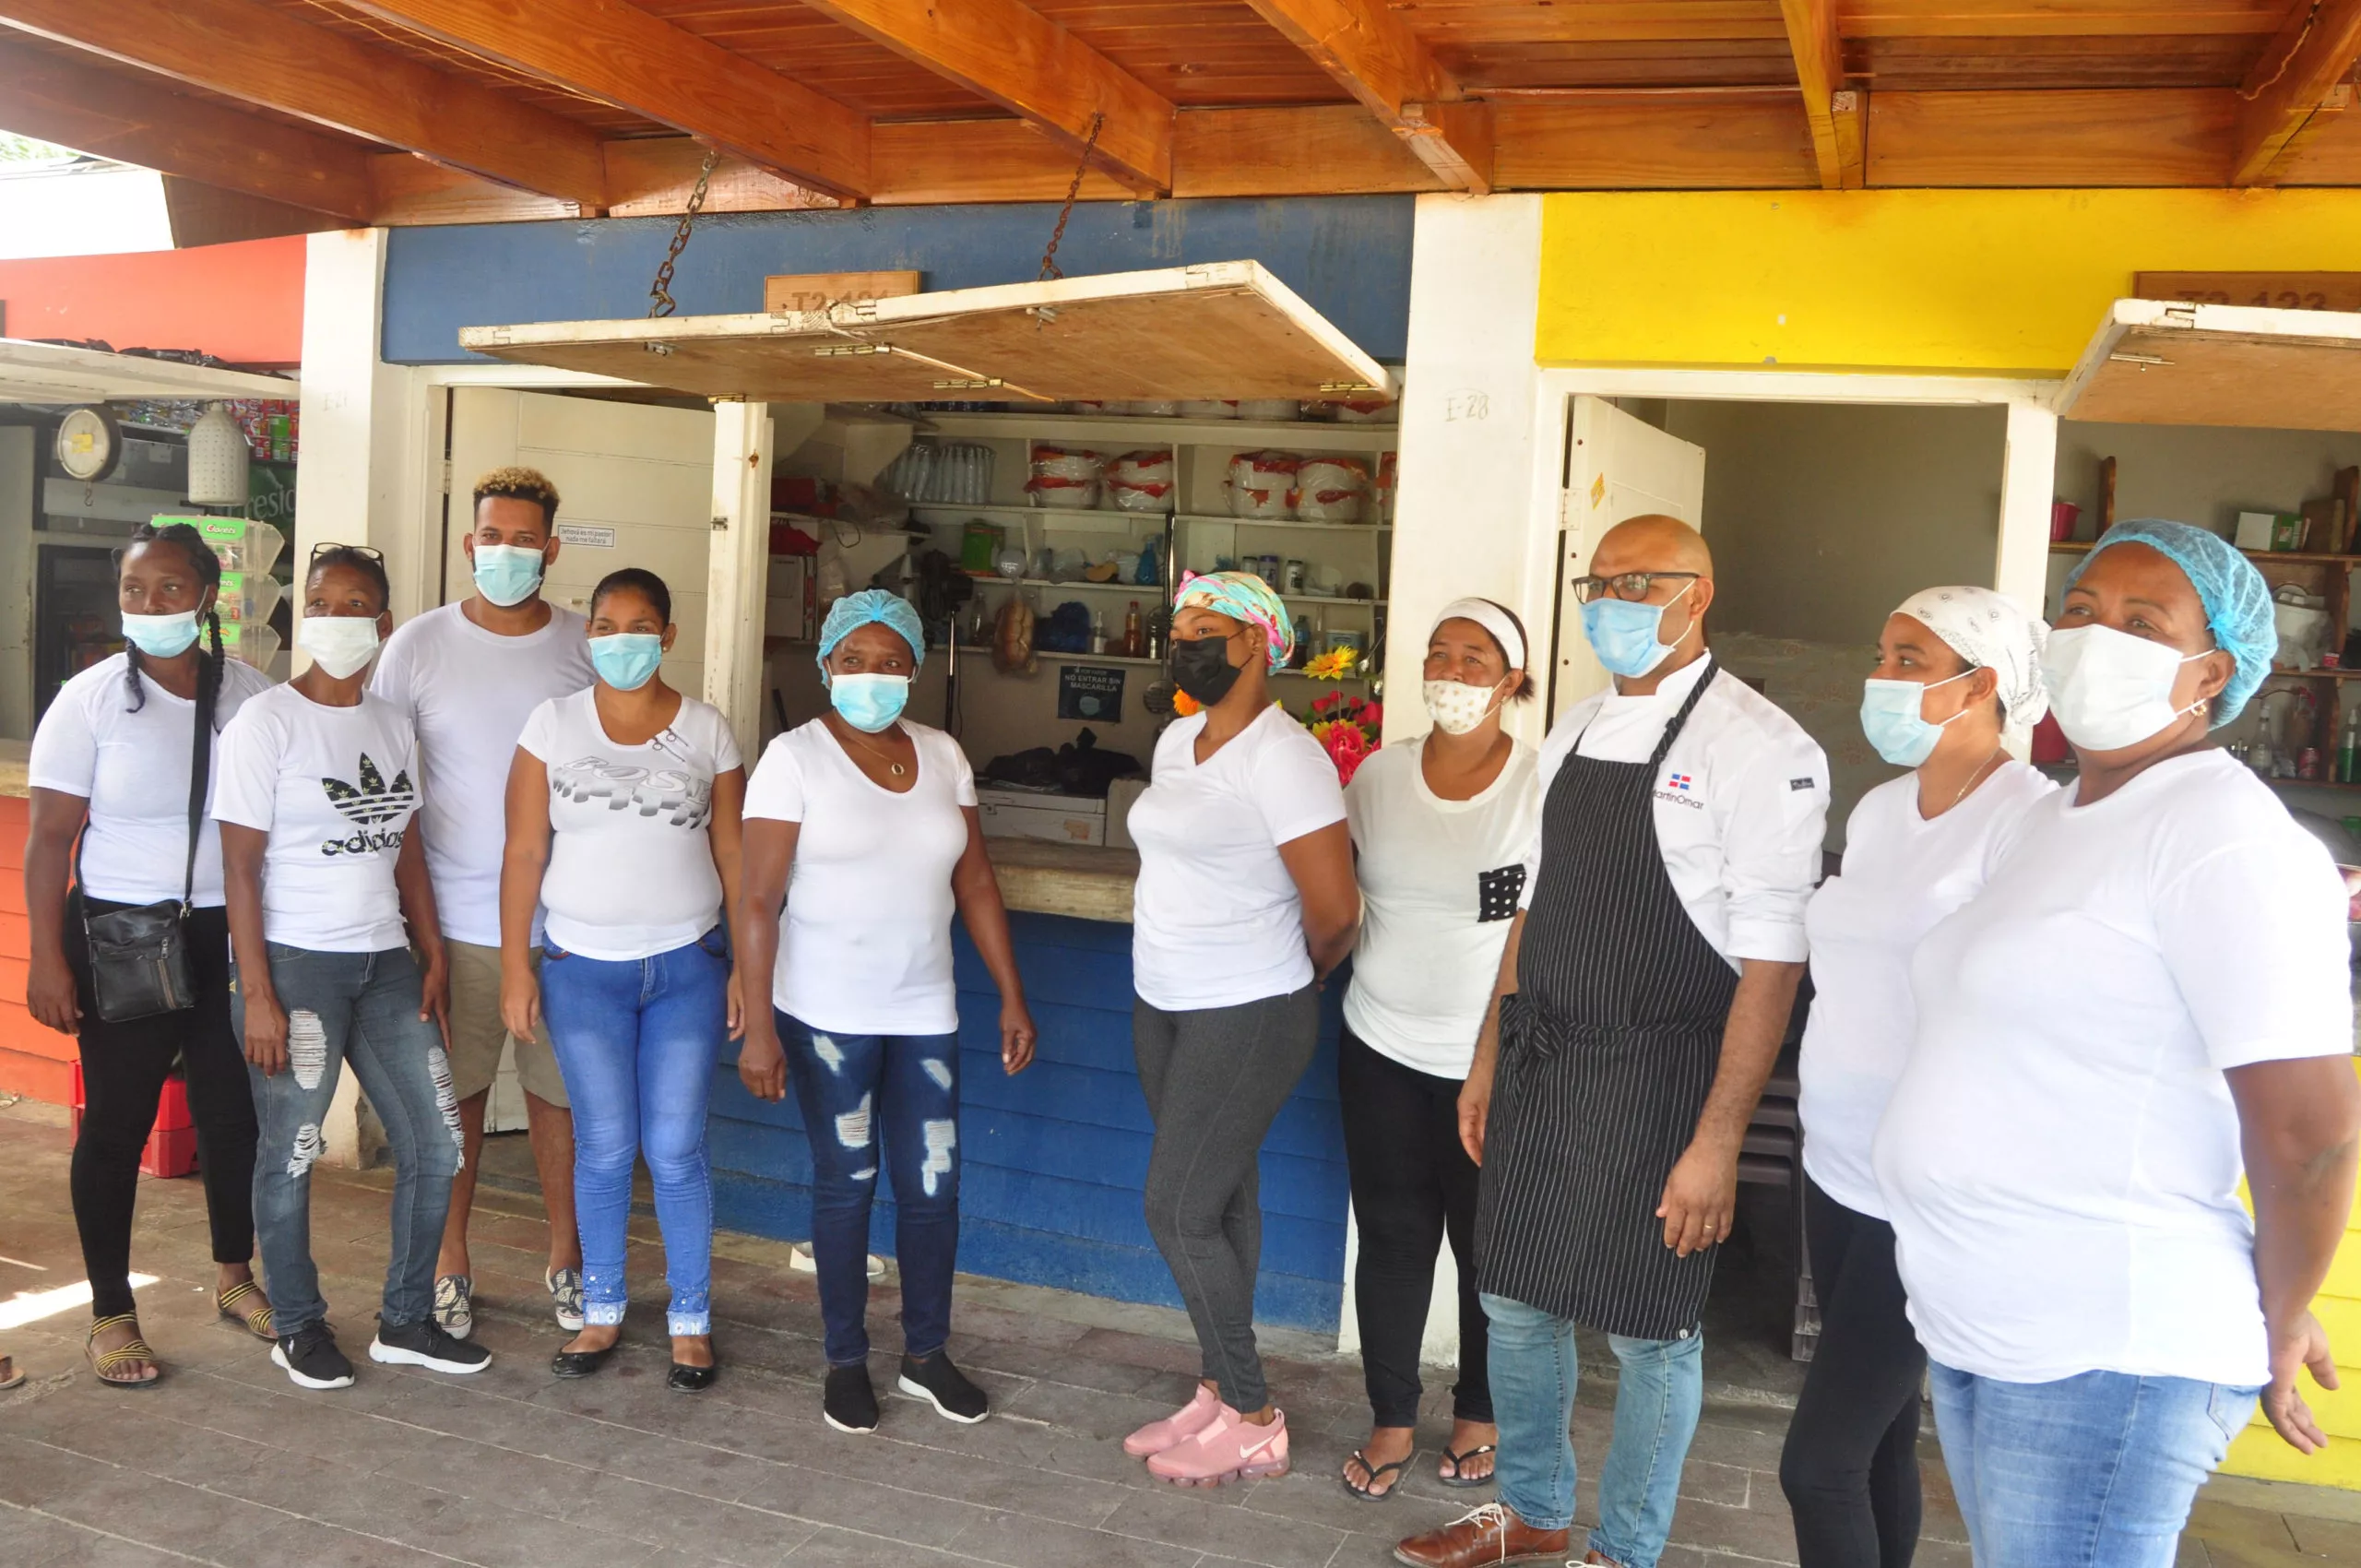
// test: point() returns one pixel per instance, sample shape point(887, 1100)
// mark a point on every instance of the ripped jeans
point(858, 1092)
point(361, 1008)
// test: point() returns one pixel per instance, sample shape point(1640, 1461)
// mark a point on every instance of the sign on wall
point(1090, 692)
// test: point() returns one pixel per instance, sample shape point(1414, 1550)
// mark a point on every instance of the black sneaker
point(945, 1387)
point(311, 1358)
point(849, 1404)
point(428, 1344)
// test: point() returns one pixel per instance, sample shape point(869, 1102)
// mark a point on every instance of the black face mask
point(1201, 667)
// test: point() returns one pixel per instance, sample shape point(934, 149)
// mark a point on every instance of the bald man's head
point(1652, 543)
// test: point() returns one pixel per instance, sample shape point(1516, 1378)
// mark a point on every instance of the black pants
point(1413, 1184)
point(124, 1067)
point(1850, 1468)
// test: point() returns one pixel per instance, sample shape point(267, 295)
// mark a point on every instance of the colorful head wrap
point(1241, 596)
point(1992, 633)
point(858, 610)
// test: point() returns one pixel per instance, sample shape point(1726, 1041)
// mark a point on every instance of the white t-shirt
point(2061, 1154)
point(334, 788)
point(631, 871)
point(1740, 809)
point(1440, 881)
point(469, 692)
point(1216, 917)
point(864, 947)
point(132, 769)
point(1902, 874)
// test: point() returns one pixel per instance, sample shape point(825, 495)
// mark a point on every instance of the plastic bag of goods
point(1331, 490)
point(1064, 477)
point(1152, 409)
point(1359, 410)
point(1141, 481)
point(1209, 408)
point(1269, 408)
point(1261, 484)
point(1388, 480)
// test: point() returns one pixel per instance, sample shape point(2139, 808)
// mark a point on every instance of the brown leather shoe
point(1483, 1538)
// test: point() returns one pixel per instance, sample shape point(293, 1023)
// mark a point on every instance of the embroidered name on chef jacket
point(1679, 788)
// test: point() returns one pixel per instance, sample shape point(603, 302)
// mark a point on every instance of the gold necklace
point(1976, 778)
point(885, 757)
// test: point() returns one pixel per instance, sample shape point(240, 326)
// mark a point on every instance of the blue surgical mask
point(1889, 718)
point(160, 636)
point(626, 660)
point(1623, 634)
point(507, 574)
point(869, 703)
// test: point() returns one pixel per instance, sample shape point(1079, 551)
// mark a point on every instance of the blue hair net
point(2236, 600)
point(855, 610)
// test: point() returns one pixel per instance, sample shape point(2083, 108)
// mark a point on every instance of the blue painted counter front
point(1056, 1157)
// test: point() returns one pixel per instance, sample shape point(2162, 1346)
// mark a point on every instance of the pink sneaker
point(1232, 1448)
point(1185, 1422)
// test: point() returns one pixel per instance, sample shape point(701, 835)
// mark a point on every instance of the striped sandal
point(255, 1318)
point(107, 1363)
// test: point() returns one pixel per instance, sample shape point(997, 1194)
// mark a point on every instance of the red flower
point(1347, 748)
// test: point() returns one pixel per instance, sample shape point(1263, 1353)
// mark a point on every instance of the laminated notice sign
point(1090, 692)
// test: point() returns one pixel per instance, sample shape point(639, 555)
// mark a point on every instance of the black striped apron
point(1607, 1048)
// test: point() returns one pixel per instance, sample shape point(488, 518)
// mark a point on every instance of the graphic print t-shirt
point(631, 871)
point(336, 788)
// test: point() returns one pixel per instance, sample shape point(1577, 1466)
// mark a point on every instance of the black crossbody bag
point(139, 957)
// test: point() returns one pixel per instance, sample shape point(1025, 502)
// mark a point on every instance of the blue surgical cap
point(2236, 600)
point(855, 610)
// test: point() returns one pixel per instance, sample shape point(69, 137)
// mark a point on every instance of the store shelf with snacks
point(1128, 431)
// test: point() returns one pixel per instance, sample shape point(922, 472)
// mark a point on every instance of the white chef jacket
point(1741, 804)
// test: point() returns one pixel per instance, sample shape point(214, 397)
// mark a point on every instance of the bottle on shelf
point(2348, 749)
point(1132, 644)
point(1099, 631)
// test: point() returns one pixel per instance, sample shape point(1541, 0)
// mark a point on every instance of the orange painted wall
point(241, 303)
point(35, 1061)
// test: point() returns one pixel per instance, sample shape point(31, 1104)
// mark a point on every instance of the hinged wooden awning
point(2161, 361)
point(56, 373)
point(1229, 329)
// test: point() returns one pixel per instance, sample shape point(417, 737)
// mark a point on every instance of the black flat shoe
point(578, 1363)
point(685, 1379)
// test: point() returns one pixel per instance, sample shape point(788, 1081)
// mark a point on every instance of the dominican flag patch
point(1678, 781)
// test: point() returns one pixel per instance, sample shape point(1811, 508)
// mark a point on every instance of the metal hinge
point(721, 524)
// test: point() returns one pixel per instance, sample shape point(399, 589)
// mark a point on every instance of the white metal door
point(634, 483)
point(1617, 466)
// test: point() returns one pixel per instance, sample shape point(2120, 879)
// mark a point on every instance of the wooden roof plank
point(1031, 67)
point(117, 115)
point(1373, 54)
point(617, 53)
point(251, 52)
point(2155, 137)
point(2312, 53)
point(1819, 75)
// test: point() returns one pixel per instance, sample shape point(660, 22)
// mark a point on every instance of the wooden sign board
point(817, 291)
point(2271, 290)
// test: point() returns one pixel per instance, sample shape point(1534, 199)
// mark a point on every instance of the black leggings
point(1850, 1468)
point(1412, 1185)
point(124, 1067)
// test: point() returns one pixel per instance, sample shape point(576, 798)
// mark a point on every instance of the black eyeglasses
point(370, 550)
point(1630, 587)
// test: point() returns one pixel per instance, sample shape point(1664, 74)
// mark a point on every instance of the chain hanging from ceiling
point(660, 293)
point(1049, 267)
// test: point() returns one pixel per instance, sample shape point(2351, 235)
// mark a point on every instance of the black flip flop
point(1376, 1474)
point(1456, 1460)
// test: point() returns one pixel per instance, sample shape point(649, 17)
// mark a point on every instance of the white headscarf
point(1988, 631)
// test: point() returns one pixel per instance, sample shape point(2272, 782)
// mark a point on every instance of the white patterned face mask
point(1457, 707)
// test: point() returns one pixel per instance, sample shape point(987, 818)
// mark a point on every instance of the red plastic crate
point(172, 1144)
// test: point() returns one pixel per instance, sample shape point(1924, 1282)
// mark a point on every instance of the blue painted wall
point(1349, 257)
point(1055, 1158)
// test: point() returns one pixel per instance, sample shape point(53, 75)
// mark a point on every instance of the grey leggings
point(1214, 1080)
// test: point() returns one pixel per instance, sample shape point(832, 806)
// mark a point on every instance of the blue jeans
point(2092, 1471)
point(1656, 1403)
point(637, 1041)
point(361, 1008)
point(857, 1091)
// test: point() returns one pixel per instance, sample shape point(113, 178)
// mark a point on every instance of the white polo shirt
point(1741, 801)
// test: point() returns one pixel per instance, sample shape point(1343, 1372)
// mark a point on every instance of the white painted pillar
point(1475, 510)
point(2028, 483)
point(738, 570)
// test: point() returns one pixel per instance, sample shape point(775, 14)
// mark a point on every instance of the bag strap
point(200, 770)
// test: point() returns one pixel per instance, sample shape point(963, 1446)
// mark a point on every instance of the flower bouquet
point(1346, 727)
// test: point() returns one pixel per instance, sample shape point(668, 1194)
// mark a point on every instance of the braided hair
point(207, 568)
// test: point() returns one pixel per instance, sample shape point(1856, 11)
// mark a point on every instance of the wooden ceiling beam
point(2310, 57)
point(116, 115)
point(620, 55)
point(1819, 76)
point(1019, 59)
point(1373, 54)
point(246, 50)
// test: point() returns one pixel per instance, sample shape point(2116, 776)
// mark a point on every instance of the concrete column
point(737, 571)
point(2028, 484)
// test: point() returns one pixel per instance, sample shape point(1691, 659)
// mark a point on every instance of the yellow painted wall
point(2259, 1451)
point(1997, 283)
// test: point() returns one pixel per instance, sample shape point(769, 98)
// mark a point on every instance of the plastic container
point(1064, 478)
point(1209, 408)
point(2062, 517)
point(253, 641)
point(1331, 490)
point(1261, 484)
point(1140, 481)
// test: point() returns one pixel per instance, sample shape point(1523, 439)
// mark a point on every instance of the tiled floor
point(226, 1462)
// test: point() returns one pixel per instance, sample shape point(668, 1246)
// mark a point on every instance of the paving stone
point(2226, 1524)
point(1014, 1540)
point(2334, 1538)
